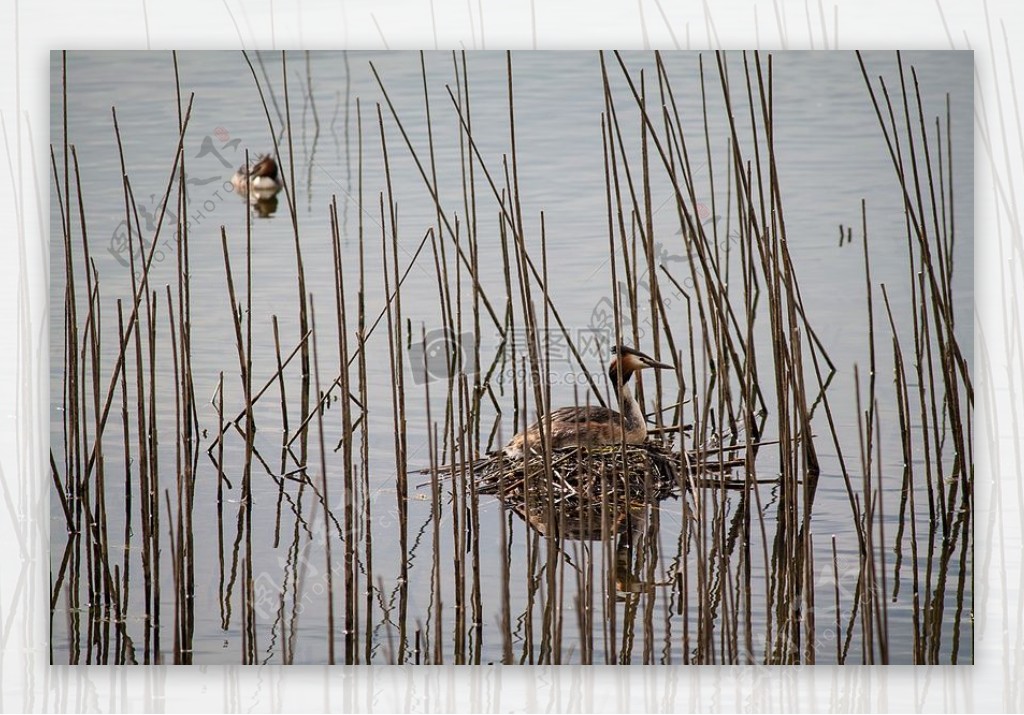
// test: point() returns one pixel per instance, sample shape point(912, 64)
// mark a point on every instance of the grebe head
point(627, 361)
point(264, 166)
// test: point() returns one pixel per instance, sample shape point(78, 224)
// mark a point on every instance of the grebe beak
point(651, 362)
point(636, 360)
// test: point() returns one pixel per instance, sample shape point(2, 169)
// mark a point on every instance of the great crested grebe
point(594, 426)
point(261, 179)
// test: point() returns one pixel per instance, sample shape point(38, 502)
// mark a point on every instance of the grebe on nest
point(594, 426)
point(261, 180)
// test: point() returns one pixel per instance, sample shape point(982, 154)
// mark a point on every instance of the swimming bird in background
point(594, 426)
point(261, 180)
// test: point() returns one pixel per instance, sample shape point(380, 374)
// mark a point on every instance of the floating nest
point(599, 490)
point(588, 491)
point(647, 472)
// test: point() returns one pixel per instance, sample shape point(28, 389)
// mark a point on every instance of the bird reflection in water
point(632, 528)
point(263, 208)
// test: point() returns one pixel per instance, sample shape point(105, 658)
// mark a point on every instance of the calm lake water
point(831, 156)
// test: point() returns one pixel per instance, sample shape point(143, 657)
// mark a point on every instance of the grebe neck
point(632, 415)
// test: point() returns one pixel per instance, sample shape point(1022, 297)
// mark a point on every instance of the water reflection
point(263, 208)
point(628, 529)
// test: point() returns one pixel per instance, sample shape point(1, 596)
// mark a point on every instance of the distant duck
point(262, 178)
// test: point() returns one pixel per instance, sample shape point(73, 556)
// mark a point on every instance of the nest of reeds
point(581, 479)
point(586, 491)
point(634, 473)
